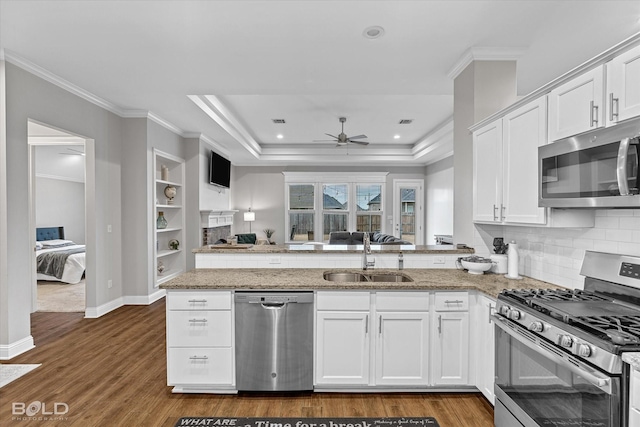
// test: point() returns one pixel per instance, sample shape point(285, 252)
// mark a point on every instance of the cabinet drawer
point(199, 328)
point(203, 300)
point(350, 301)
point(402, 301)
point(200, 366)
point(452, 301)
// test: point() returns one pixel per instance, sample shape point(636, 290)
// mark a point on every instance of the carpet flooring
point(11, 372)
point(61, 297)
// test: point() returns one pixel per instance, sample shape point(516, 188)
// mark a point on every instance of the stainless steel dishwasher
point(274, 341)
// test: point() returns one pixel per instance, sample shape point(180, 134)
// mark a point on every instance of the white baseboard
point(94, 312)
point(14, 349)
point(144, 299)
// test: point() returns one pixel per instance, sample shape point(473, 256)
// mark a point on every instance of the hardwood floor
point(111, 371)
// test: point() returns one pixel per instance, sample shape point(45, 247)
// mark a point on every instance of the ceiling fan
point(342, 138)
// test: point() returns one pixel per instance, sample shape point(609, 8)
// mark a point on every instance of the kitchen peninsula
point(426, 327)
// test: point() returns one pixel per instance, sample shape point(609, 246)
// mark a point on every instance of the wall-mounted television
point(219, 170)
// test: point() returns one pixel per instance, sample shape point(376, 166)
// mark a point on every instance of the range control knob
point(565, 341)
point(583, 350)
point(536, 327)
point(515, 314)
point(504, 310)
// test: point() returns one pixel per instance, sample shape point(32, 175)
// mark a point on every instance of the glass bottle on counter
point(161, 222)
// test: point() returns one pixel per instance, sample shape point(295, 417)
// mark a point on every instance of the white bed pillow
point(56, 243)
point(38, 245)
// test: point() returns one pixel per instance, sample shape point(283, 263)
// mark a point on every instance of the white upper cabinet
point(623, 87)
point(487, 172)
point(523, 130)
point(577, 106)
point(505, 174)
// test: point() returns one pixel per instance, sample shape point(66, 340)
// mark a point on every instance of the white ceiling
point(226, 68)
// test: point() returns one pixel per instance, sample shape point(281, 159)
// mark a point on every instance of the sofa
point(356, 238)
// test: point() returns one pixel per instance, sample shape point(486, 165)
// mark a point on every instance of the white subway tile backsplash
point(555, 254)
point(607, 222)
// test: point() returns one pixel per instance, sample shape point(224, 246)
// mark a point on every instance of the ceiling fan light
point(373, 32)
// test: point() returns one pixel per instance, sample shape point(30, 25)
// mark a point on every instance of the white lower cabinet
point(451, 339)
point(402, 348)
point(484, 333)
point(372, 338)
point(342, 348)
point(200, 352)
point(634, 398)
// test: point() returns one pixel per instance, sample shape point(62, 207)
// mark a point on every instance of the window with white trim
point(318, 204)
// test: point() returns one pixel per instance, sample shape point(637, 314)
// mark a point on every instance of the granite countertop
point(633, 359)
point(312, 279)
point(325, 248)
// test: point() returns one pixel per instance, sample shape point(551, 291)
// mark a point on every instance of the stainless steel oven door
point(543, 386)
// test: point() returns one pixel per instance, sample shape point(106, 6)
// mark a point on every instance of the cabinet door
point(342, 348)
point(402, 346)
point(577, 106)
point(485, 348)
point(487, 173)
point(451, 348)
point(524, 130)
point(623, 87)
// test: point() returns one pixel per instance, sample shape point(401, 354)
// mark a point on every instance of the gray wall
point(119, 192)
point(61, 203)
point(29, 97)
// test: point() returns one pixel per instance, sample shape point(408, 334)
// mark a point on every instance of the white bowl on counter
point(475, 264)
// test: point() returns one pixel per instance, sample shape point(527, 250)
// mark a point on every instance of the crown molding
point(485, 54)
point(216, 110)
point(590, 64)
point(204, 138)
point(56, 80)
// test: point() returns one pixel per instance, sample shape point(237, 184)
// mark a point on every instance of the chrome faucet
point(366, 250)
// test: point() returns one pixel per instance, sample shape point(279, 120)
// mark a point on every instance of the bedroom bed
point(58, 259)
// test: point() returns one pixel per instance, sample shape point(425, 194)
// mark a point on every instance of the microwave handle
point(623, 152)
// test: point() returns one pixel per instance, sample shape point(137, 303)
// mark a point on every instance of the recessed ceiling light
point(279, 136)
point(396, 136)
point(374, 32)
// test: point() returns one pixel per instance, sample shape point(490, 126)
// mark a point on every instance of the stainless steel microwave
point(598, 170)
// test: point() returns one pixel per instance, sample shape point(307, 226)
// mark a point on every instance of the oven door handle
point(594, 377)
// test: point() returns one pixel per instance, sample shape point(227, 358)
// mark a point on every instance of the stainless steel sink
point(366, 277)
point(390, 278)
point(345, 277)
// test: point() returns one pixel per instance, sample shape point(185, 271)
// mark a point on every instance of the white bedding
point(73, 268)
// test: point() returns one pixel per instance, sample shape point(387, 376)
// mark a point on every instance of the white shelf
point(167, 252)
point(174, 261)
point(175, 184)
point(168, 275)
point(167, 230)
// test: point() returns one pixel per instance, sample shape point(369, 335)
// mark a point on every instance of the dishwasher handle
point(272, 305)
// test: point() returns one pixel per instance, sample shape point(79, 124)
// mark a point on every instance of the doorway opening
point(58, 170)
point(408, 210)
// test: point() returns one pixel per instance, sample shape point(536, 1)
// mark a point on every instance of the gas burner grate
point(620, 330)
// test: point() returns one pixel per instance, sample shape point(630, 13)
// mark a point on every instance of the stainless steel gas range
point(559, 352)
